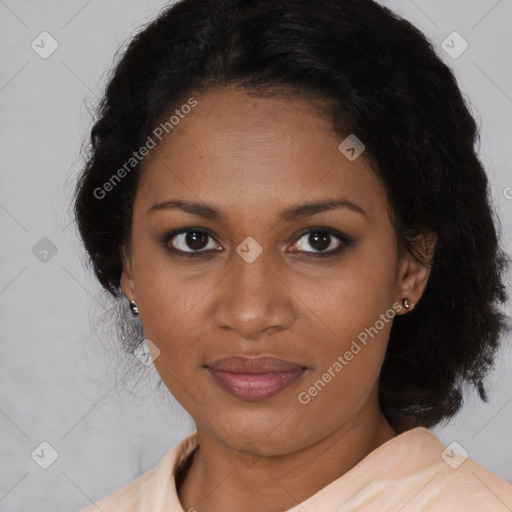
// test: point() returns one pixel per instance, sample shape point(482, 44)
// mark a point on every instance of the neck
point(218, 478)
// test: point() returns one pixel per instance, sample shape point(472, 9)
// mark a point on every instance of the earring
point(134, 308)
point(407, 303)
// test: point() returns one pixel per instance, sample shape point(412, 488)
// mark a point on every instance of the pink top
point(411, 472)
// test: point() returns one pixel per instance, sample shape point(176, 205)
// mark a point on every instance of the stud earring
point(407, 303)
point(134, 308)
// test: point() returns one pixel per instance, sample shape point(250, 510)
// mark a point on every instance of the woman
point(288, 194)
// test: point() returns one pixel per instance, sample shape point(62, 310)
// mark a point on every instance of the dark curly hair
point(382, 80)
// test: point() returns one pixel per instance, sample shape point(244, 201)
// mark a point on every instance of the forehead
point(244, 152)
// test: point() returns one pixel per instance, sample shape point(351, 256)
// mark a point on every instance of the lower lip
point(253, 386)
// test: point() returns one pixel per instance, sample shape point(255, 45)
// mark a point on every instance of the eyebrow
point(290, 214)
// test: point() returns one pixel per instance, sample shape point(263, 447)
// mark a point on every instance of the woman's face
point(256, 281)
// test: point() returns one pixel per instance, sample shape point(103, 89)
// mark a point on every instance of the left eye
point(320, 241)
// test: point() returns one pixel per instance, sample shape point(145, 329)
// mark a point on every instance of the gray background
point(61, 379)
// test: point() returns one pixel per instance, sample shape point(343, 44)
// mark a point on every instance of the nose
point(253, 300)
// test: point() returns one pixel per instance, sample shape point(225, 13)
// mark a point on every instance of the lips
point(254, 378)
point(261, 364)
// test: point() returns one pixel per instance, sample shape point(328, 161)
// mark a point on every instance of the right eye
point(190, 241)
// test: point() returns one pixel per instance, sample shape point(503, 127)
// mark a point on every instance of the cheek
point(360, 288)
point(169, 305)
point(164, 287)
point(356, 306)
point(347, 366)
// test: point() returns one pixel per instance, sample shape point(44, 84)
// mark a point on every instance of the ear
point(413, 272)
point(127, 280)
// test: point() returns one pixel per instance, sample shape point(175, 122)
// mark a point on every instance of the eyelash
point(345, 240)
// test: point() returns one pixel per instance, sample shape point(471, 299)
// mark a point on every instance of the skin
point(250, 158)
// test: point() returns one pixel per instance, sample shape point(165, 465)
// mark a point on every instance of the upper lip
point(260, 364)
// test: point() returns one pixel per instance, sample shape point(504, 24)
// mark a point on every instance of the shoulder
point(457, 482)
point(128, 497)
point(419, 473)
point(153, 489)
